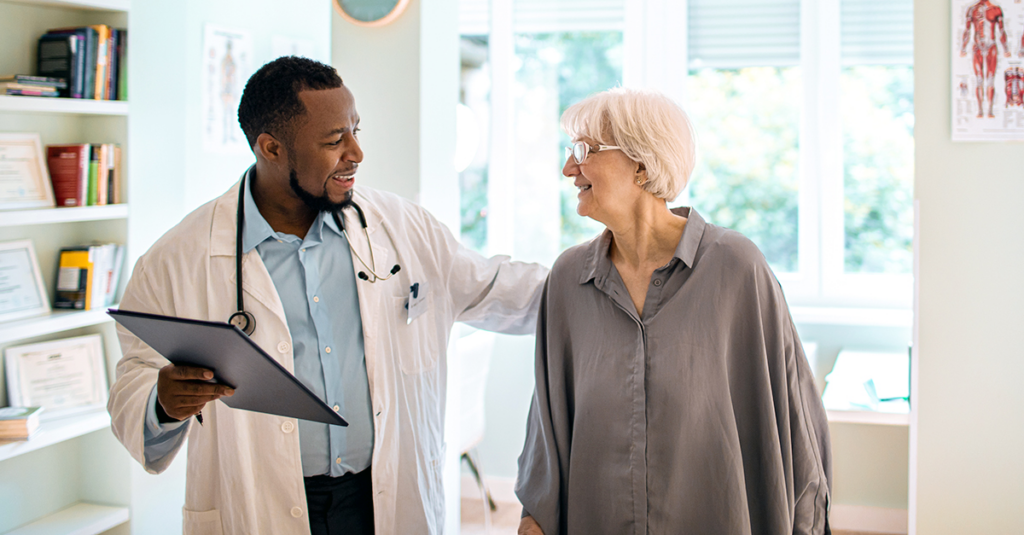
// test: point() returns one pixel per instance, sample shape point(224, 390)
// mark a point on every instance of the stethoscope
point(244, 319)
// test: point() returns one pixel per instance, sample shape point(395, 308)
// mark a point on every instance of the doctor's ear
point(270, 148)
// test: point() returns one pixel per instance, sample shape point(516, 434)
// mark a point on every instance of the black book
point(115, 61)
point(56, 59)
point(89, 51)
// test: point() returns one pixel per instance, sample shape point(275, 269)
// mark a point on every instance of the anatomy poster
point(988, 70)
point(227, 64)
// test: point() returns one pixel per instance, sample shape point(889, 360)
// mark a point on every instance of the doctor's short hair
point(271, 97)
point(649, 127)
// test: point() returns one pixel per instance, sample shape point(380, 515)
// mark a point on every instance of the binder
point(261, 384)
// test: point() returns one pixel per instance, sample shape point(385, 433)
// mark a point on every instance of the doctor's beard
point(319, 203)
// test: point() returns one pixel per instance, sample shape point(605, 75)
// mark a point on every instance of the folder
point(261, 384)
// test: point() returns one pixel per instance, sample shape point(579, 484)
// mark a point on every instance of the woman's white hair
point(649, 127)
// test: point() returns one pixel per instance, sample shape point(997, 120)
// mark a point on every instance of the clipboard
point(261, 384)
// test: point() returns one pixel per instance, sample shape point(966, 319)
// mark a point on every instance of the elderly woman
point(672, 394)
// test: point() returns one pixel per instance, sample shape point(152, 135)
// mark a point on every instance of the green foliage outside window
point(747, 176)
point(877, 108)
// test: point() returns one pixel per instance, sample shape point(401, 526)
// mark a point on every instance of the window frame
point(655, 46)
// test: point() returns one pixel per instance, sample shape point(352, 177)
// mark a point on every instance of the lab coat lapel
point(256, 281)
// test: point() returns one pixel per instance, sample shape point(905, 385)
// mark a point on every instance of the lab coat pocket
point(416, 341)
point(202, 522)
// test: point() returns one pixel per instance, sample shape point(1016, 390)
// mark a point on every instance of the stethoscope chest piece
point(245, 321)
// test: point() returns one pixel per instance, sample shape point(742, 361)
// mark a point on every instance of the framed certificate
point(22, 291)
point(24, 179)
point(63, 376)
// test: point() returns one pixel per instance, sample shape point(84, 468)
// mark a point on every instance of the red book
point(69, 172)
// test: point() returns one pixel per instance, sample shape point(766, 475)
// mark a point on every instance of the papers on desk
point(869, 381)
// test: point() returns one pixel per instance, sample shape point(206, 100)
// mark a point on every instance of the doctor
point(327, 297)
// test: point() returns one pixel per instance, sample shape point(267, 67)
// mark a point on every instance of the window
point(803, 110)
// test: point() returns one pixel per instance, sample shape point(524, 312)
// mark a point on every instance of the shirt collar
point(598, 263)
point(257, 230)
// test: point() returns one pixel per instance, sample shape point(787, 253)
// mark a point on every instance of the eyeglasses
point(580, 150)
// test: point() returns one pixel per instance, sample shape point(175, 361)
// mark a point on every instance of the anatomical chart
point(988, 70)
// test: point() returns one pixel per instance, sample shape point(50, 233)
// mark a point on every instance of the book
point(88, 276)
point(55, 59)
point(57, 83)
point(30, 93)
point(18, 423)
point(103, 174)
point(102, 61)
point(122, 74)
point(89, 50)
point(92, 192)
point(69, 173)
point(28, 87)
point(74, 279)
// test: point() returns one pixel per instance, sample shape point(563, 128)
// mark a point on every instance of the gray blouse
point(700, 417)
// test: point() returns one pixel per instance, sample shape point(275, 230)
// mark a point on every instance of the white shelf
point(79, 519)
point(56, 431)
point(54, 322)
point(864, 317)
point(97, 5)
point(867, 417)
point(75, 106)
point(63, 215)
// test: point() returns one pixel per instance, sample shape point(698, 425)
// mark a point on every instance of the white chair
point(474, 360)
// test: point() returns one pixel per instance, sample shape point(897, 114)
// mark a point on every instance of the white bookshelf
point(868, 417)
point(74, 447)
point(97, 5)
point(53, 323)
point(56, 431)
point(79, 519)
point(63, 215)
point(69, 106)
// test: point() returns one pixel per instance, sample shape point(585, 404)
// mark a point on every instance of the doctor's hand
point(529, 526)
point(182, 391)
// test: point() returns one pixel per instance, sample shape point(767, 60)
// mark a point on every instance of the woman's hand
point(529, 526)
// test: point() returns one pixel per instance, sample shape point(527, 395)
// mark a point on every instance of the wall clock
point(370, 12)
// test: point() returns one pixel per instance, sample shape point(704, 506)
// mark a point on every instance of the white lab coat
point(244, 470)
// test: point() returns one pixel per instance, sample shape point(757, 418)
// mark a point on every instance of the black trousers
point(340, 504)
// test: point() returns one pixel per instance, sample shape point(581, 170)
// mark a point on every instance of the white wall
point(970, 433)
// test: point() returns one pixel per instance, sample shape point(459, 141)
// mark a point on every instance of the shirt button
point(657, 282)
point(316, 299)
point(336, 409)
point(328, 349)
point(337, 461)
point(287, 427)
point(296, 512)
point(283, 347)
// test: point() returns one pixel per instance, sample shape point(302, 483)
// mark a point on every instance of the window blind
point(729, 34)
point(546, 16)
point(877, 32)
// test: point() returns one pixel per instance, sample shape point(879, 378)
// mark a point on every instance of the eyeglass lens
point(579, 152)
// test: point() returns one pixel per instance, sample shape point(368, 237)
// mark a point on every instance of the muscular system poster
point(988, 70)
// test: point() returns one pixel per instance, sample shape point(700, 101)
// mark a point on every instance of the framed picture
point(24, 179)
point(22, 291)
point(63, 376)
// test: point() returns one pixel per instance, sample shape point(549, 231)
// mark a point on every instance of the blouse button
point(287, 427)
point(283, 347)
point(296, 511)
point(657, 282)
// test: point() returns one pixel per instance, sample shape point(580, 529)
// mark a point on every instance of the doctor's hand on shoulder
point(183, 391)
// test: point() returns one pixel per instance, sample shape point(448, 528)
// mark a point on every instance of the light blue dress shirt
point(316, 282)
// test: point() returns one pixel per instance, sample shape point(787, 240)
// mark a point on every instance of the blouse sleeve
point(541, 485)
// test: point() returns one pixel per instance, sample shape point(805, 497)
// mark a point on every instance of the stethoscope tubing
point(243, 319)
